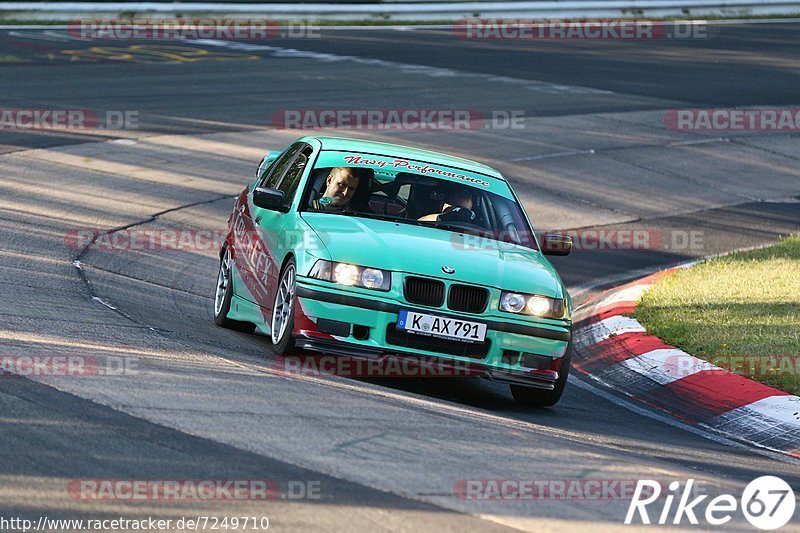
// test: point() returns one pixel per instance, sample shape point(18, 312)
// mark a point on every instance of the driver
point(340, 186)
point(457, 207)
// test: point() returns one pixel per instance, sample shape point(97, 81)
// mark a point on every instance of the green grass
point(740, 312)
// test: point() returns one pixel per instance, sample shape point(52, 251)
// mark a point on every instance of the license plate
point(439, 326)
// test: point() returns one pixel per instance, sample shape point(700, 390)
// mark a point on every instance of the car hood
point(424, 250)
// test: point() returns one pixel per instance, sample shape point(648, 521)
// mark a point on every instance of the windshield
point(435, 196)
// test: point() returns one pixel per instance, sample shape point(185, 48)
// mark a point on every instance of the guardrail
point(405, 11)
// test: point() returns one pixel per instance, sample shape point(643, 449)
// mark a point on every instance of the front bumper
point(361, 325)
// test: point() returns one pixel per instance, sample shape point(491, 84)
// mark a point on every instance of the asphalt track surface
point(208, 404)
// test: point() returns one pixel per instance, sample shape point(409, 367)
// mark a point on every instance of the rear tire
point(224, 295)
point(532, 397)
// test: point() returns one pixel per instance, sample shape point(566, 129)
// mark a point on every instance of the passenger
point(457, 207)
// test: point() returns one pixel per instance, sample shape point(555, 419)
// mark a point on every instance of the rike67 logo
point(767, 502)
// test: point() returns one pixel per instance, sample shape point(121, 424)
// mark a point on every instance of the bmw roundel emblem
point(448, 270)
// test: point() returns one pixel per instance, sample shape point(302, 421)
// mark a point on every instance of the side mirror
point(271, 199)
point(556, 244)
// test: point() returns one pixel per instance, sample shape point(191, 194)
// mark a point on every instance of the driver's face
point(341, 187)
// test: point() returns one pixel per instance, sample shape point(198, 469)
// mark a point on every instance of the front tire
point(283, 310)
point(531, 397)
point(224, 295)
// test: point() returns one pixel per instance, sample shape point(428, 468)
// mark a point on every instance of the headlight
point(345, 274)
point(533, 304)
point(372, 278)
point(539, 305)
point(512, 302)
point(352, 275)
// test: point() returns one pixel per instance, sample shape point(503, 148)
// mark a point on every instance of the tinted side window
point(291, 178)
point(279, 167)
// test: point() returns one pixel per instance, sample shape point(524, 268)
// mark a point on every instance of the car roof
point(344, 144)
